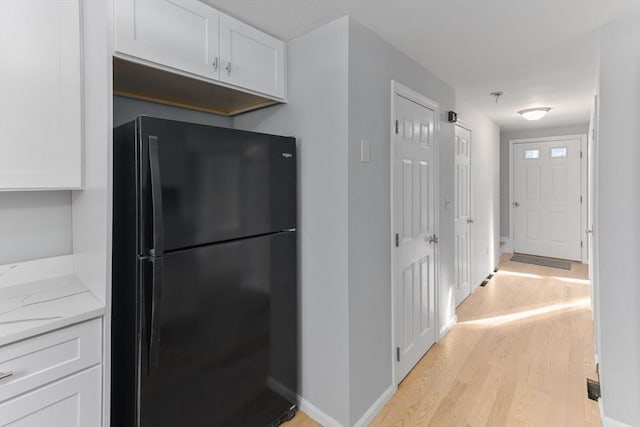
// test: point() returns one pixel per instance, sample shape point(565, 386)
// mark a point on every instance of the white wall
point(34, 224)
point(316, 115)
point(617, 227)
point(485, 191)
point(574, 129)
point(373, 63)
point(339, 93)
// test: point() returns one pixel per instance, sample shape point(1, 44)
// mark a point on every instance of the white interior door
point(592, 192)
point(546, 202)
point(462, 211)
point(414, 222)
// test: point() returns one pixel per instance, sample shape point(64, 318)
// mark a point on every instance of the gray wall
point(317, 115)
point(373, 63)
point(617, 230)
point(485, 191)
point(579, 128)
point(126, 109)
point(344, 207)
point(34, 224)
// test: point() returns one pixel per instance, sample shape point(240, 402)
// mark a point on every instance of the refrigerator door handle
point(156, 198)
point(156, 302)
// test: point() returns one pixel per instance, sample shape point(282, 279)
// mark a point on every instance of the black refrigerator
point(204, 293)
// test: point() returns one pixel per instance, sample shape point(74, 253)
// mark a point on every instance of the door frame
point(464, 125)
point(398, 88)
point(584, 255)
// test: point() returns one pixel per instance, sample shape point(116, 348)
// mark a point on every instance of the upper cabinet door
point(251, 58)
point(181, 34)
point(40, 101)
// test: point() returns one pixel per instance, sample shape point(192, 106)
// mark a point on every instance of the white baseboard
point(446, 328)
point(506, 247)
point(304, 405)
point(606, 421)
point(317, 414)
point(371, 413)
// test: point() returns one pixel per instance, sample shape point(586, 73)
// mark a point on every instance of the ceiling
point(538, 52)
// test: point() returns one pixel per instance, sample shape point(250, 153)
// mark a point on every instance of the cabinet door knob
point(228, 67)
point(4, 375)
point(215, 63)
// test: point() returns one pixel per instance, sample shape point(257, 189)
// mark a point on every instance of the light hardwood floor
point(519, 356)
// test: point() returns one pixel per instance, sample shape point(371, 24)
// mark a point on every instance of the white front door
point(546, 201)
point(414, 182)
point(462, 213)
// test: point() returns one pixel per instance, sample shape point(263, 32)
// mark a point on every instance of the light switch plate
point(365, 151)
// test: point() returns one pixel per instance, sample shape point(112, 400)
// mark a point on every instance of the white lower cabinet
point(75, 401)
point(53, 379)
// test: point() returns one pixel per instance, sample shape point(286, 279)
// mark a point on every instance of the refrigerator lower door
point(225, 335)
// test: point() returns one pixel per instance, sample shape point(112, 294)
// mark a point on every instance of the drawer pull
point(4, 375)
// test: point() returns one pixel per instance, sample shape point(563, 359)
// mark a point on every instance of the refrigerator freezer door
point(217, 184)
point(227, 335)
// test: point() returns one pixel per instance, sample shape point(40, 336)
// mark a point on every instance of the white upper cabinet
point(192, 37)
point(40, 101)
point(181, 34)
point(251, 58)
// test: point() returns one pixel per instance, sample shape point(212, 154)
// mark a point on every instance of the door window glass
point(531, 154)
point(558, 152)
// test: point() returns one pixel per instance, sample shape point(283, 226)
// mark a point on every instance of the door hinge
point(397, 354)
point(397, 240)
point(580, 199)
point(397, 125)
point(580, 154)
point(581, 243)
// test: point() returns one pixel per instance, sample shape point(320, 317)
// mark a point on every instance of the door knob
point(470, 221)
point(433, 239)
point(516, 204)
point(588, 231)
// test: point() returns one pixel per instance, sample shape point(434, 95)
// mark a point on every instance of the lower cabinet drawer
point(40, 360)
point(74, 401)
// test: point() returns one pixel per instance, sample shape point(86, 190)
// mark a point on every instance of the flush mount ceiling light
point(534, 113)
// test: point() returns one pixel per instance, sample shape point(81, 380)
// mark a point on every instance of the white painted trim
point(398, 88)
point(606, 421)
point(583, 166)
point(446, 328)
point(463, 125)
point(316, 413)
point(584, 206)
point(371, 413)
point(507, 248)
point(35, 270)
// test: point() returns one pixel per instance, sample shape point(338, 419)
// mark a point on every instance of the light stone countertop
point(30, 309)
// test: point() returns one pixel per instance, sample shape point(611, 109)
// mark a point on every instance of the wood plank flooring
point(519, 356)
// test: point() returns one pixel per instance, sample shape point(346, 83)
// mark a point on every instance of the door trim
point(398, 88)
point(584, 256)
point(463, 125)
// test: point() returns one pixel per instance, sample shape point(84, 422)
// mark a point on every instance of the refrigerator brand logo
point(287, 155)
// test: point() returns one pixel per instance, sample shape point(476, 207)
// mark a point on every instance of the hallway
point(519, 355)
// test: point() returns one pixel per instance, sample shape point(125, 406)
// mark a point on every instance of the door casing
point(461, 124)
point(583, 183)
point(398, 88)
